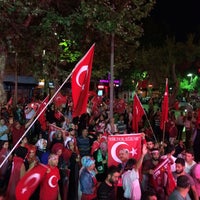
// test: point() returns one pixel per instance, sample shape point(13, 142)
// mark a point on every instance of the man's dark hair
point(180, 161)
point(130, 163)
point(183, 181)
point(147, 194)
point(149, 139)
point(113, 169)
point(170, 148)
point(190, 151)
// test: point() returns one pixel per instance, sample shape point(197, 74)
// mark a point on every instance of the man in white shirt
point(189, 160)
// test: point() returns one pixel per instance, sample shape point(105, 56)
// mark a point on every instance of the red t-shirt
point(49, 186)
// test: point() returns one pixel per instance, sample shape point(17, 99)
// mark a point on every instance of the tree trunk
point(2, 68)
point(173, 96)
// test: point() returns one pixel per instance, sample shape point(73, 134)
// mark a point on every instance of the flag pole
point(36, 118)
point(151, 127)
point(163, 139)
point(147, 120)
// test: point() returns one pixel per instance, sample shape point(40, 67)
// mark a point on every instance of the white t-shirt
point(189, 167)
point(131, 186)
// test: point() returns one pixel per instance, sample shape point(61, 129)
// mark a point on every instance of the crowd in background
point(75, 152)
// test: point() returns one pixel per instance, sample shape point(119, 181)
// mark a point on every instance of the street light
point(190, 75)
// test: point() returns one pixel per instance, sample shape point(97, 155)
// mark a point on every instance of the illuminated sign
point(107, 81)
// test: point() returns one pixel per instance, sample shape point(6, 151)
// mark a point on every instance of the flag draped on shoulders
point(165, 107)
point(80, 83)
point(138, 112)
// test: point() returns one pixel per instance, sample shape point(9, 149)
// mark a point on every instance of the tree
point(173, 60)
point(102, 18)
point(32, 32)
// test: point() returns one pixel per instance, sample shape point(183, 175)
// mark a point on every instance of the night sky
point(177, 17)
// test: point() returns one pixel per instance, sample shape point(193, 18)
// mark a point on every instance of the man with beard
point(159, 174)
point(180, 170)
point(149, 165)
point(106, 190)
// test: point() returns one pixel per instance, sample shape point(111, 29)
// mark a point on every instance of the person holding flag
point(130, 177)
point(45, 176)
point(80, 87)
point(158, 170)
point(165, 110)
point(138, 113)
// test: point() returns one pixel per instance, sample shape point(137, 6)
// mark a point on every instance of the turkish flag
point(138, 112)
point(162, 174)
point(80, 83)
point(165, 107)
point(42, 117)
point(132, 142)
point(59, 99)
point(29, 182)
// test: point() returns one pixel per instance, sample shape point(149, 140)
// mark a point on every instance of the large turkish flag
point(29, 182)
point(132, 142)
point(80, 83)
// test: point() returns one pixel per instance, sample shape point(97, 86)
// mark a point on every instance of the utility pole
point(112, 75)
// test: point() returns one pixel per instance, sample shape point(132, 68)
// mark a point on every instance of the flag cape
point(132, 142)
point(29, 182)
point(138, 112)
point(159, 179)
point(80, 83)
point(165, 107)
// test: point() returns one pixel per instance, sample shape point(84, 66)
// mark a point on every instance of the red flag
point(59, 99)
point(132, 142)
point(162, 174)
point(53, 127)
point(80, 83)
point(138, 112)
point(164, 115)
point(42, 118)
point(29, 182)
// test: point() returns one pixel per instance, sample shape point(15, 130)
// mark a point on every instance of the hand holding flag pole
point(36, 118)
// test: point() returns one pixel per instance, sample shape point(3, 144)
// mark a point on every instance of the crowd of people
point(73, 153)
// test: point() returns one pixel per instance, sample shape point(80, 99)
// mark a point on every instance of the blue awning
point(21, 79)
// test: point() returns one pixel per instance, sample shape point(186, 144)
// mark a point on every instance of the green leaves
point(67, 54)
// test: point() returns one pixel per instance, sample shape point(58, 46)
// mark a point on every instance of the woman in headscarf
point(71, 155)
point(31, 159)
point(88, 182)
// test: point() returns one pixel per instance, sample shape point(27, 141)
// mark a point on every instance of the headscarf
point(87, 161)
point(56, 147)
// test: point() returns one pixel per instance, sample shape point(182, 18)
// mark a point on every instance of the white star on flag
point(133, 151)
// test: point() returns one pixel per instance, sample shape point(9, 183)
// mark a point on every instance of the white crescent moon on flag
point(113, 151)
point(50, 181)
point(34, 178)
point(83, 68)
